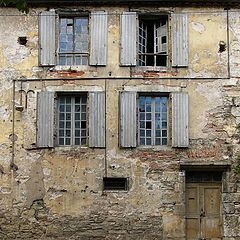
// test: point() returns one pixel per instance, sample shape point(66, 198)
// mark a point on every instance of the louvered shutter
point(45, 119)
point(128, 39)
point(180, 119)
point(128, 123)
point(179, 40)
point(47, 38)
point(99, 33)
point(96, 119)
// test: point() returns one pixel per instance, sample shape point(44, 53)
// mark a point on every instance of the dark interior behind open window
point(153, 40)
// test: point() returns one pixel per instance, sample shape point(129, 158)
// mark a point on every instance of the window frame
point(71, 15)
point(73, 95)
point(155, 17)
point(169, 123)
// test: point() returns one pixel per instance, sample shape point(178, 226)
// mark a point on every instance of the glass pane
point(148, 141)
point(77, 133)
point(83, 124)
point(68, 141)
point(68, 124)
point(148, 133)
point(83, 141)
point(77, 124)
point(148, 116)
point(164, 141)
point(68, 108)
point(142, 124)
point(83, 133)
point(77, 141)
point(61, 141)
point(142, 141)
point(61, 124)
point(77, 116)
point(157, 141)
point(142, 133)
point(142, 116)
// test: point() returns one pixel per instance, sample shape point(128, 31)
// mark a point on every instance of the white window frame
point(153, 129)
point(72, 15)
point(155, 17)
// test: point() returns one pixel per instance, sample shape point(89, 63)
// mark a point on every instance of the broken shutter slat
point(47, 38)
point(128, 38)
point(128, 119)
point(45, 119)
point(97, 119)
point(179, 40)
point(180, 119)
point(99, 32)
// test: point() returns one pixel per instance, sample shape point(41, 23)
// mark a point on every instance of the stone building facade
point(119, 120)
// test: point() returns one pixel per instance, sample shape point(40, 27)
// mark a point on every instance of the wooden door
point(203, 211)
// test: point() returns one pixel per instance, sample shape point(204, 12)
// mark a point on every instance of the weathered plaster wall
point(57, 193)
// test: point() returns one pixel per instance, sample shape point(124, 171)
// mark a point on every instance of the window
point(73, 41)
point(153, 120)
point(114, 183)
point(153, 41)
point(156, 118)
point(82, 38)
point(72, 120)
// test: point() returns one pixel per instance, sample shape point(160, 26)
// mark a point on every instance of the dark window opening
point(203, 177)
point(153, 41)
point(115, 184)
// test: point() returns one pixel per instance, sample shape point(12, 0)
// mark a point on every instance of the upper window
point(73, 41)
point(153, 120)
point(72, 120)
point(79, 41)
point(153, 41)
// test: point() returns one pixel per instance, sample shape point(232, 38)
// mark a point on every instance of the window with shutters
point(153, 120)
point(72, 120)
point(73, 41)
point(71, 38)
point(162, 40)
point(153, 41)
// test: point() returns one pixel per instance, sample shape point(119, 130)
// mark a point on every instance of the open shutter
point(99, 32)
point(47, 38)
point(128, 38)
point(96, 119)
point(162, 38)
point(179, 40)
point(180, 119)
point(45, 119)
point(128, 119)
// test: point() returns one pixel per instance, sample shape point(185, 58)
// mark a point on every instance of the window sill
point(70, 148)
point(70, 67)
point(155, 148)
point(151, 69)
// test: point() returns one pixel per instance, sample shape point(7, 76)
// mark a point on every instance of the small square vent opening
point(114, 183)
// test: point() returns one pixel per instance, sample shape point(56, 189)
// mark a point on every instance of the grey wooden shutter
point(45, 119)
point(179, 40)
point(128, 39)
point(99, 32)
point(47, 38)
point(128, 119)
point(97, 119)
point(180, 119)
